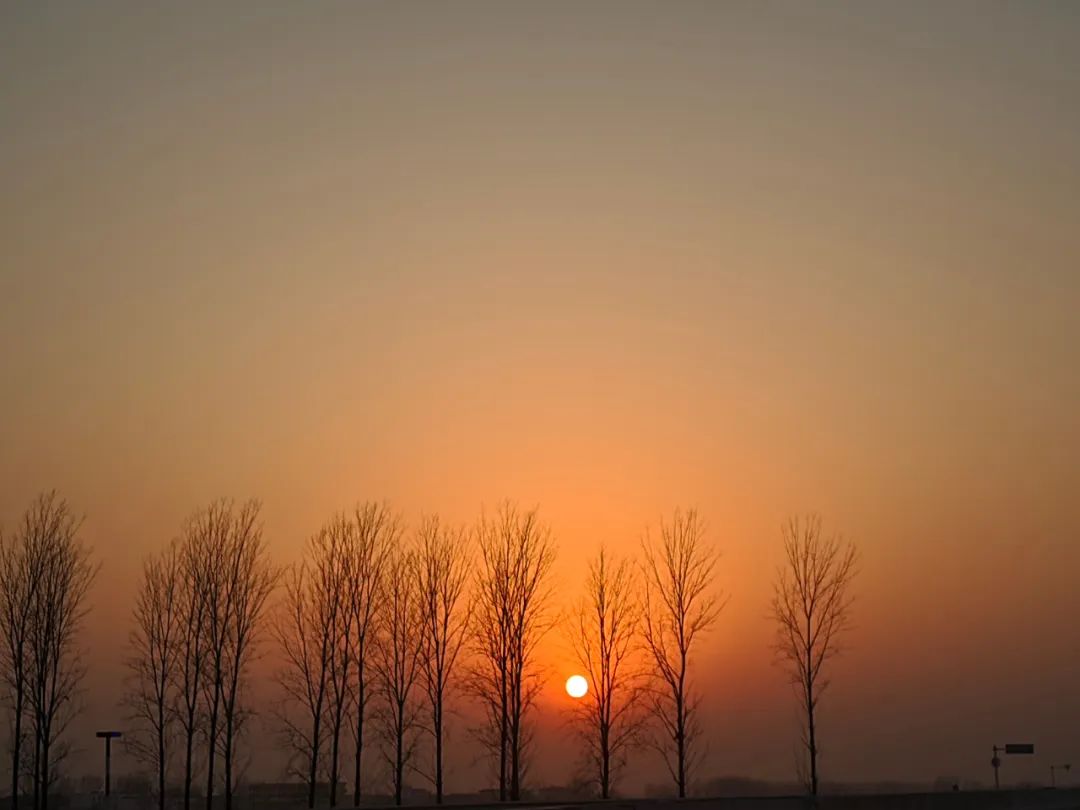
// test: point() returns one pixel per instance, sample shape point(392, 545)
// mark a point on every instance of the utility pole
point(108, 736)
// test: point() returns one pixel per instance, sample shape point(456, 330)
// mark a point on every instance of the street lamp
point(108, 736)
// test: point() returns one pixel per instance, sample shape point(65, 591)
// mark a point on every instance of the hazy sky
point(608, 258)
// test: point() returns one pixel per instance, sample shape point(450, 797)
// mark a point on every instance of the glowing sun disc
point(577, 686)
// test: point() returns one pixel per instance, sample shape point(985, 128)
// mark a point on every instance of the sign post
point(1053, 778)
point(108, 736)
point(1008, 748)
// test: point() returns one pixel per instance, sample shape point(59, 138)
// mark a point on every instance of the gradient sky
point(608, 258)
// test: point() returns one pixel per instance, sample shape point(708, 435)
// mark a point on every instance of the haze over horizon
point(608, 259)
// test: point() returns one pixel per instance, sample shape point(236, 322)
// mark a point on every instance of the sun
point(577, 686)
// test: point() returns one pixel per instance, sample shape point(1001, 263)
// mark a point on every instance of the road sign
point(110, 734)
point(1019, 748)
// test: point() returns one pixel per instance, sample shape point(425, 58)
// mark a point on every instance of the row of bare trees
point(328, 628)
point(371, 614)
point(45, 575)
point(195, 634)
point(634, 634)
point(637, 628)
point(448, 609)
point(377, 628)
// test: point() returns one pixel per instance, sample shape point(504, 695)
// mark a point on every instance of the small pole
point(1052, 784)
point(996, 762)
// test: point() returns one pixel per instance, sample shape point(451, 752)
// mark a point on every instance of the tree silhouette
point(603, 638)
point(377, 532)
point(397, 663)
point(20, 576)
point(193, 643)
point(152, 662)
point(234, 578)
point(46, 573)
point(307, 627)
point(679, 605)
point(442, 573)
point(512, 596)
point(249, 580)
point(343, 538)
point(812, 609)
point(211, 538)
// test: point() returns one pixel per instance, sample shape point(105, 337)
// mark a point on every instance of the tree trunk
point(228, 758)
point(399, 762)
point(503, 739)
point(45, 772)
point(811, 737)
point(211, 755)
point(605, 763)
point(161, 756)
point(515, 755)
point(189, 743)
point(680, 746)
point(37, 770)
point(313, 765)
point(335, 746)
point(359, 728)
point(16, 748)
point(438, 752)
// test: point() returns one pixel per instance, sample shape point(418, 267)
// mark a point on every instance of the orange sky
point(608, 259)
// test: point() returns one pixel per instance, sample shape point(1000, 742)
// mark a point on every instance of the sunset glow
point(583, 268)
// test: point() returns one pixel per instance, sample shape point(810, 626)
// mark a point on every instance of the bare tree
point(55, 668)
point(397, 663)
point(192, 642)
point(21, 571)
point(307, 629)
point(344, 535)
point(512, 598)
point(603, 638)
point(212, 538)
point(376, 532)
point(250, 579)
point(235, 578)
point(812, 608)
point(680, 603)
point(443, 572)
point(155, 650)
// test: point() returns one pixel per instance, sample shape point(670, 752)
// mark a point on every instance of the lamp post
point(108, 736)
